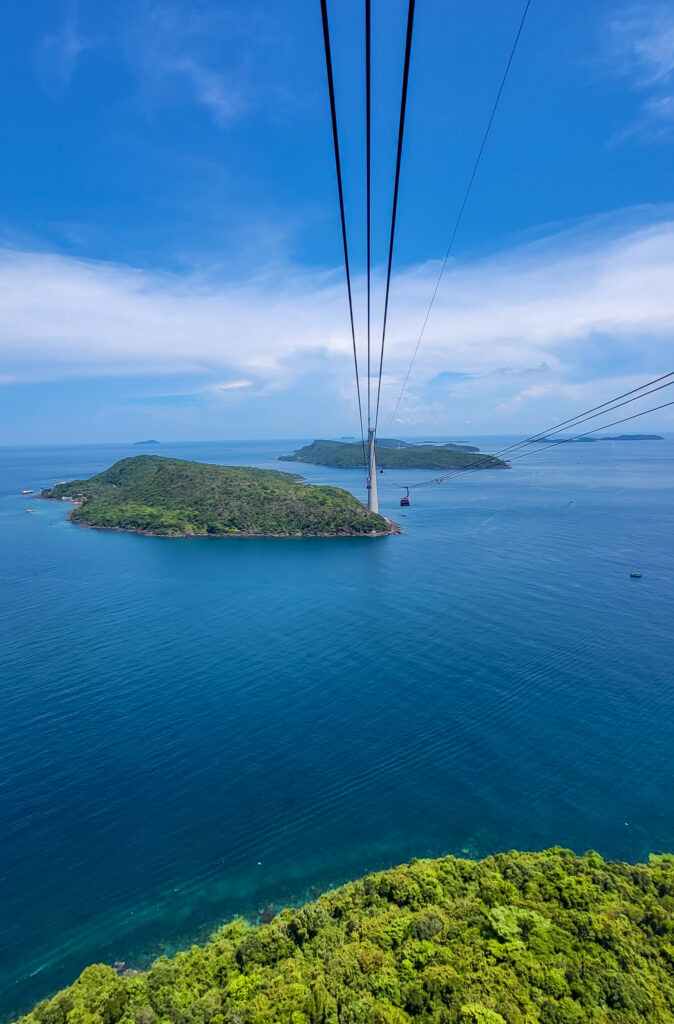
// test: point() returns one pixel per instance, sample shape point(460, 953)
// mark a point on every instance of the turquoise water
point(190, 730)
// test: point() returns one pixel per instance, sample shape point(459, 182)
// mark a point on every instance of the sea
point(197, 729)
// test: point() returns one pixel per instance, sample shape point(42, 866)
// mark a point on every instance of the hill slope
point(171, 497)
point(347, 455)
point(518, 938)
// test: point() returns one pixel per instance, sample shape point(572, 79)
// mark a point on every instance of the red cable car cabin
point(406, 500)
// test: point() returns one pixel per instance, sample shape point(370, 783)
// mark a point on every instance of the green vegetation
point(174, 498)
point(518, 938)
point(392, 442)
point(418, 456)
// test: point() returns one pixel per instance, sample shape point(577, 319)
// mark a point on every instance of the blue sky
point(170, 249)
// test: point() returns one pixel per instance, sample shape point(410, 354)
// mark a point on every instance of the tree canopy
point(517, 938)
point(348, 455)
point(173, 497)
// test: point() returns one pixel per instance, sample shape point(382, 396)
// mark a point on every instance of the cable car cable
point(575, 422)
point(368, 182)
point(581, 417)
point(543, 436)
point(340, 191)
point(463, 205)
point(565, 440)
point(401, 131)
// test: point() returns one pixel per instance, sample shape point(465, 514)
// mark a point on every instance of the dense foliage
point(172, 497)
point(346, 455)
point(515, 939)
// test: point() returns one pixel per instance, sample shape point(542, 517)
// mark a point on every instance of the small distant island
point(393, 454)
point(151, 441)
point(175, 498)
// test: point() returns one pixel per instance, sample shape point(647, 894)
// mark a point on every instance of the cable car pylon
point(372, 496)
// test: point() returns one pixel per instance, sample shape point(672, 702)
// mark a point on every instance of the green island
point(518, 938)
point(349, 455)
point(175, 498)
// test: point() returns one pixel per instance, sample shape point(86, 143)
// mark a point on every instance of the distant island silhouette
point(394, 454)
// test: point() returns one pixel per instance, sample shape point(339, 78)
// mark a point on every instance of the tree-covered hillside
point(172, 497)
point(517, 938)
point(347, 455)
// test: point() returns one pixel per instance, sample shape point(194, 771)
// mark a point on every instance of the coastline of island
point(394, 454)
point(161, 497)
point(549, 936)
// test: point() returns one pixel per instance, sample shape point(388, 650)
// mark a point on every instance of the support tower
point(372, 498)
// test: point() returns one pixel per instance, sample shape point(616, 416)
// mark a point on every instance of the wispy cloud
point(575, 312)
point(644, 37)
point(229, 385)
point(171, 47)
point(60, 51)
point(642, 46)
point(224, 101)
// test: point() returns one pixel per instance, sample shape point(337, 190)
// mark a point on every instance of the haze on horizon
point(170, 260)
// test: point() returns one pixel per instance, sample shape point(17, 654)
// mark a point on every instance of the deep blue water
point(193, 729)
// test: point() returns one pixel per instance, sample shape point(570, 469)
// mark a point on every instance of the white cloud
point(642, 43)
point(580, 310)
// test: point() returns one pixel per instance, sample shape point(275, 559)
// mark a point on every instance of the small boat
point(29, 491)
point(30, 511)
point(635, 575)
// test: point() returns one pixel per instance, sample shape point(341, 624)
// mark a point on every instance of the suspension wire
point(563, 440)
point(401, 130)
point(462, 208)
point(581, 417)
point(625, 394)
point(624, 419)
point(340, 190)
point(545, 435)
point(368, 181)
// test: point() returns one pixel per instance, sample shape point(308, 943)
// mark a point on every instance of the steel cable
point(574, 421)
point(462, 207)
point(401, 131)
point(340, 190)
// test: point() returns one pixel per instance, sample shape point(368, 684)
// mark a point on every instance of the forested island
point(518, 938)
point(175, 498)
point(349, 455)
